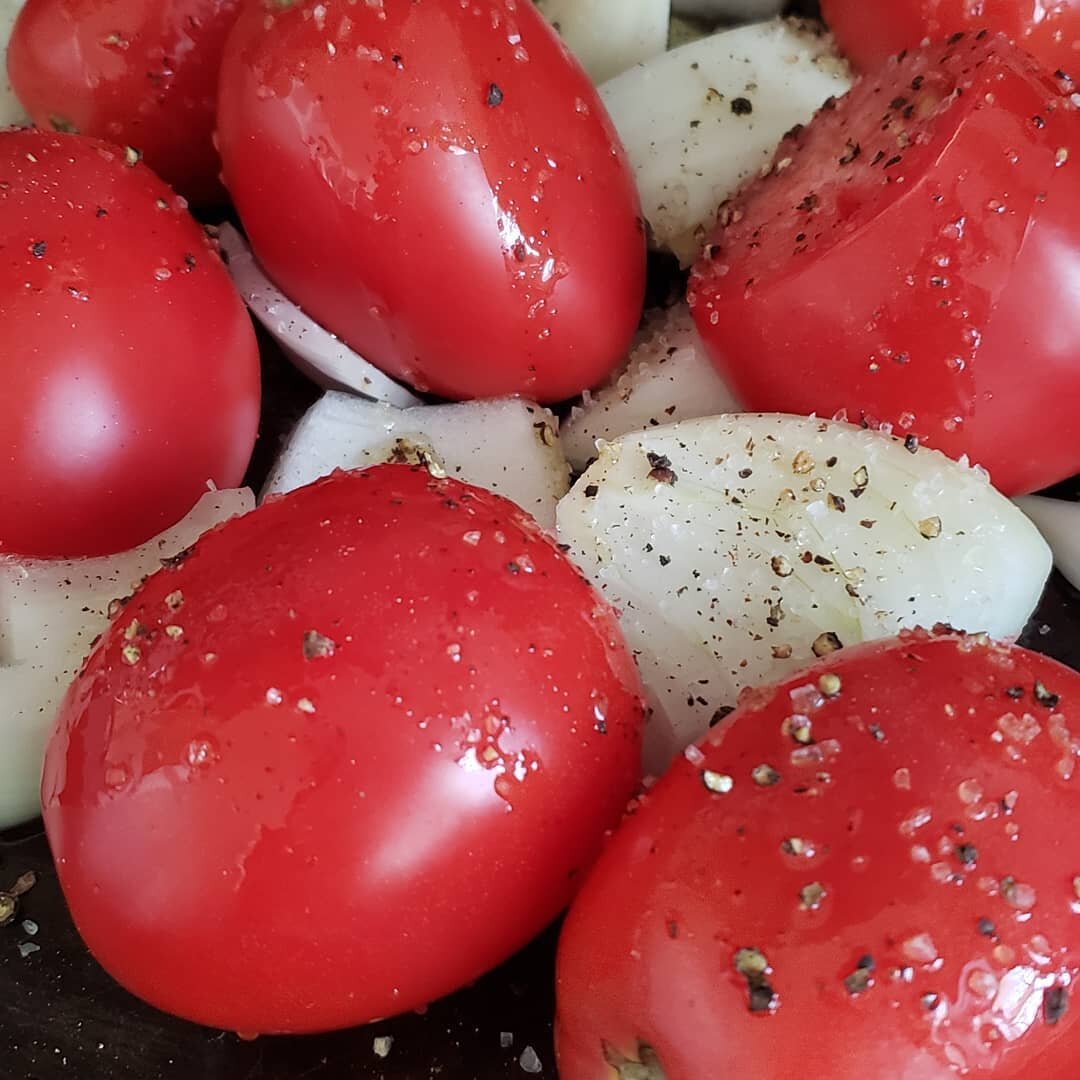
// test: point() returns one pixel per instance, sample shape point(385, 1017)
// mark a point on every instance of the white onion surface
point(668, 377)
point(700, 120)
point(739, 548)
point(11, 112)
point(315, 351)
point(1059, 523)
point(509, 446)
point(50, 614)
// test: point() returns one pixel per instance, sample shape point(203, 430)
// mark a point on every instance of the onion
point(703, 118)
point(739, 548)
point(1059, 523)
point(508, 446)
point(315, 351)
point(609, 36)
point(667, 378)
point(11, 112)
point(50, 614)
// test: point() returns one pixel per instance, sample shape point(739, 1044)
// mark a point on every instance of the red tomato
point(131, 373)
point(140, 73)
point(438, 184)
point(869, 33)
point(349, 755)
point(915, 263)
point(869, 872)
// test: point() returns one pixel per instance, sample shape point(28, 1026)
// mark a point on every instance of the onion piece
point(509, 446)
point(667, 378)
point(315, 351)
point(739, 548)
point(700, 120)
point(609, 36)
point(50, 614)
point(11, 112)
point(1059, 522)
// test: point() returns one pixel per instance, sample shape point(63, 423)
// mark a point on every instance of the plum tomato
point(139, 73)
point(866, 871)
point(130, 368)
point(911, 259)
point(345, 757)
point(868, 34)
point(438, 184)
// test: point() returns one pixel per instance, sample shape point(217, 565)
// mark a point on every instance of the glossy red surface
point(933, 790)
point(916, 263)
point(438, 184)
point(869, 33)
point(139, 73)
point(131, 372)
point(373, 761)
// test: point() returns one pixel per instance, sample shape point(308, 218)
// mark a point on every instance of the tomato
point(130, 368)
point(869, 33)
point(139, 73)
point(347, 756)
point(911, 260)
point(866, 871)
point(439, 185)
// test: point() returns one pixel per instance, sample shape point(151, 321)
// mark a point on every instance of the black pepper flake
point(1039, 122)
point(741, 106)
point(986, 927)
point(808, 203)
point(38, 249)
point(836, 502)
point(876, 732)
point(911, 444)
point(661, 470)
point(894, 160)
point(171, 562)
point(101, 212)
point(513, 567)
point(957, 37)
point(753, 966)
point(591, 491)
point(1055, 1004)
point(494, 96)
point(745, 474)
point(1044, 697)
point(852, 152)
point(967, 854)
point(317, 646)
point(721, 714)
point(665, 560)
point(1015, 692)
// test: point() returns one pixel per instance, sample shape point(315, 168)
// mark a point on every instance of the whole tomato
point(868, 33)
point(351, 753)
point(866, 871)
point(438, 184)
point(140, 73)
point(911, 259)
point(130, 368)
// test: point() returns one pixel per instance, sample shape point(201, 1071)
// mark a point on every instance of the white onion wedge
point(50, 614)
point(315, 351)
point(742, 10)
point(703, 118)
point(738, 548)
point(667, 378)
point(11, 112)
point(609, 36)
point(1059, 523)
point(508, 446)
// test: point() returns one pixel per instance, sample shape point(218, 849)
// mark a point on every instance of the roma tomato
point(140, 73)
point(130, 369)
point(912, 260)
point(868, 33)
point(866, 871)
point(346, 757)
point(438, 184)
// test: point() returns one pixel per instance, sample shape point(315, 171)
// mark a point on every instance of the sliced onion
point(11, 112)
point(609, 36)
point(1059, 523)
point(508, 446)
point(315, 351)
point(738, 548)
point(703, 118)
point(50, 614)
point(667, 378)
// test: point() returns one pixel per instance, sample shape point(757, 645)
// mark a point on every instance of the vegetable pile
point(657, 545)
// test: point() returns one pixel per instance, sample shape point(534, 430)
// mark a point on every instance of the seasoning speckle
point(765, 776)
point(317, 646)
point(826, 643)
point(494, 96)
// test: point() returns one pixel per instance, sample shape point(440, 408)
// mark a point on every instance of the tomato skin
point(904, 827)
point(444, 192)
point(955, 322)
point(350, 852)
point(868, 34)
point(138, 73)
point(131, 372)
